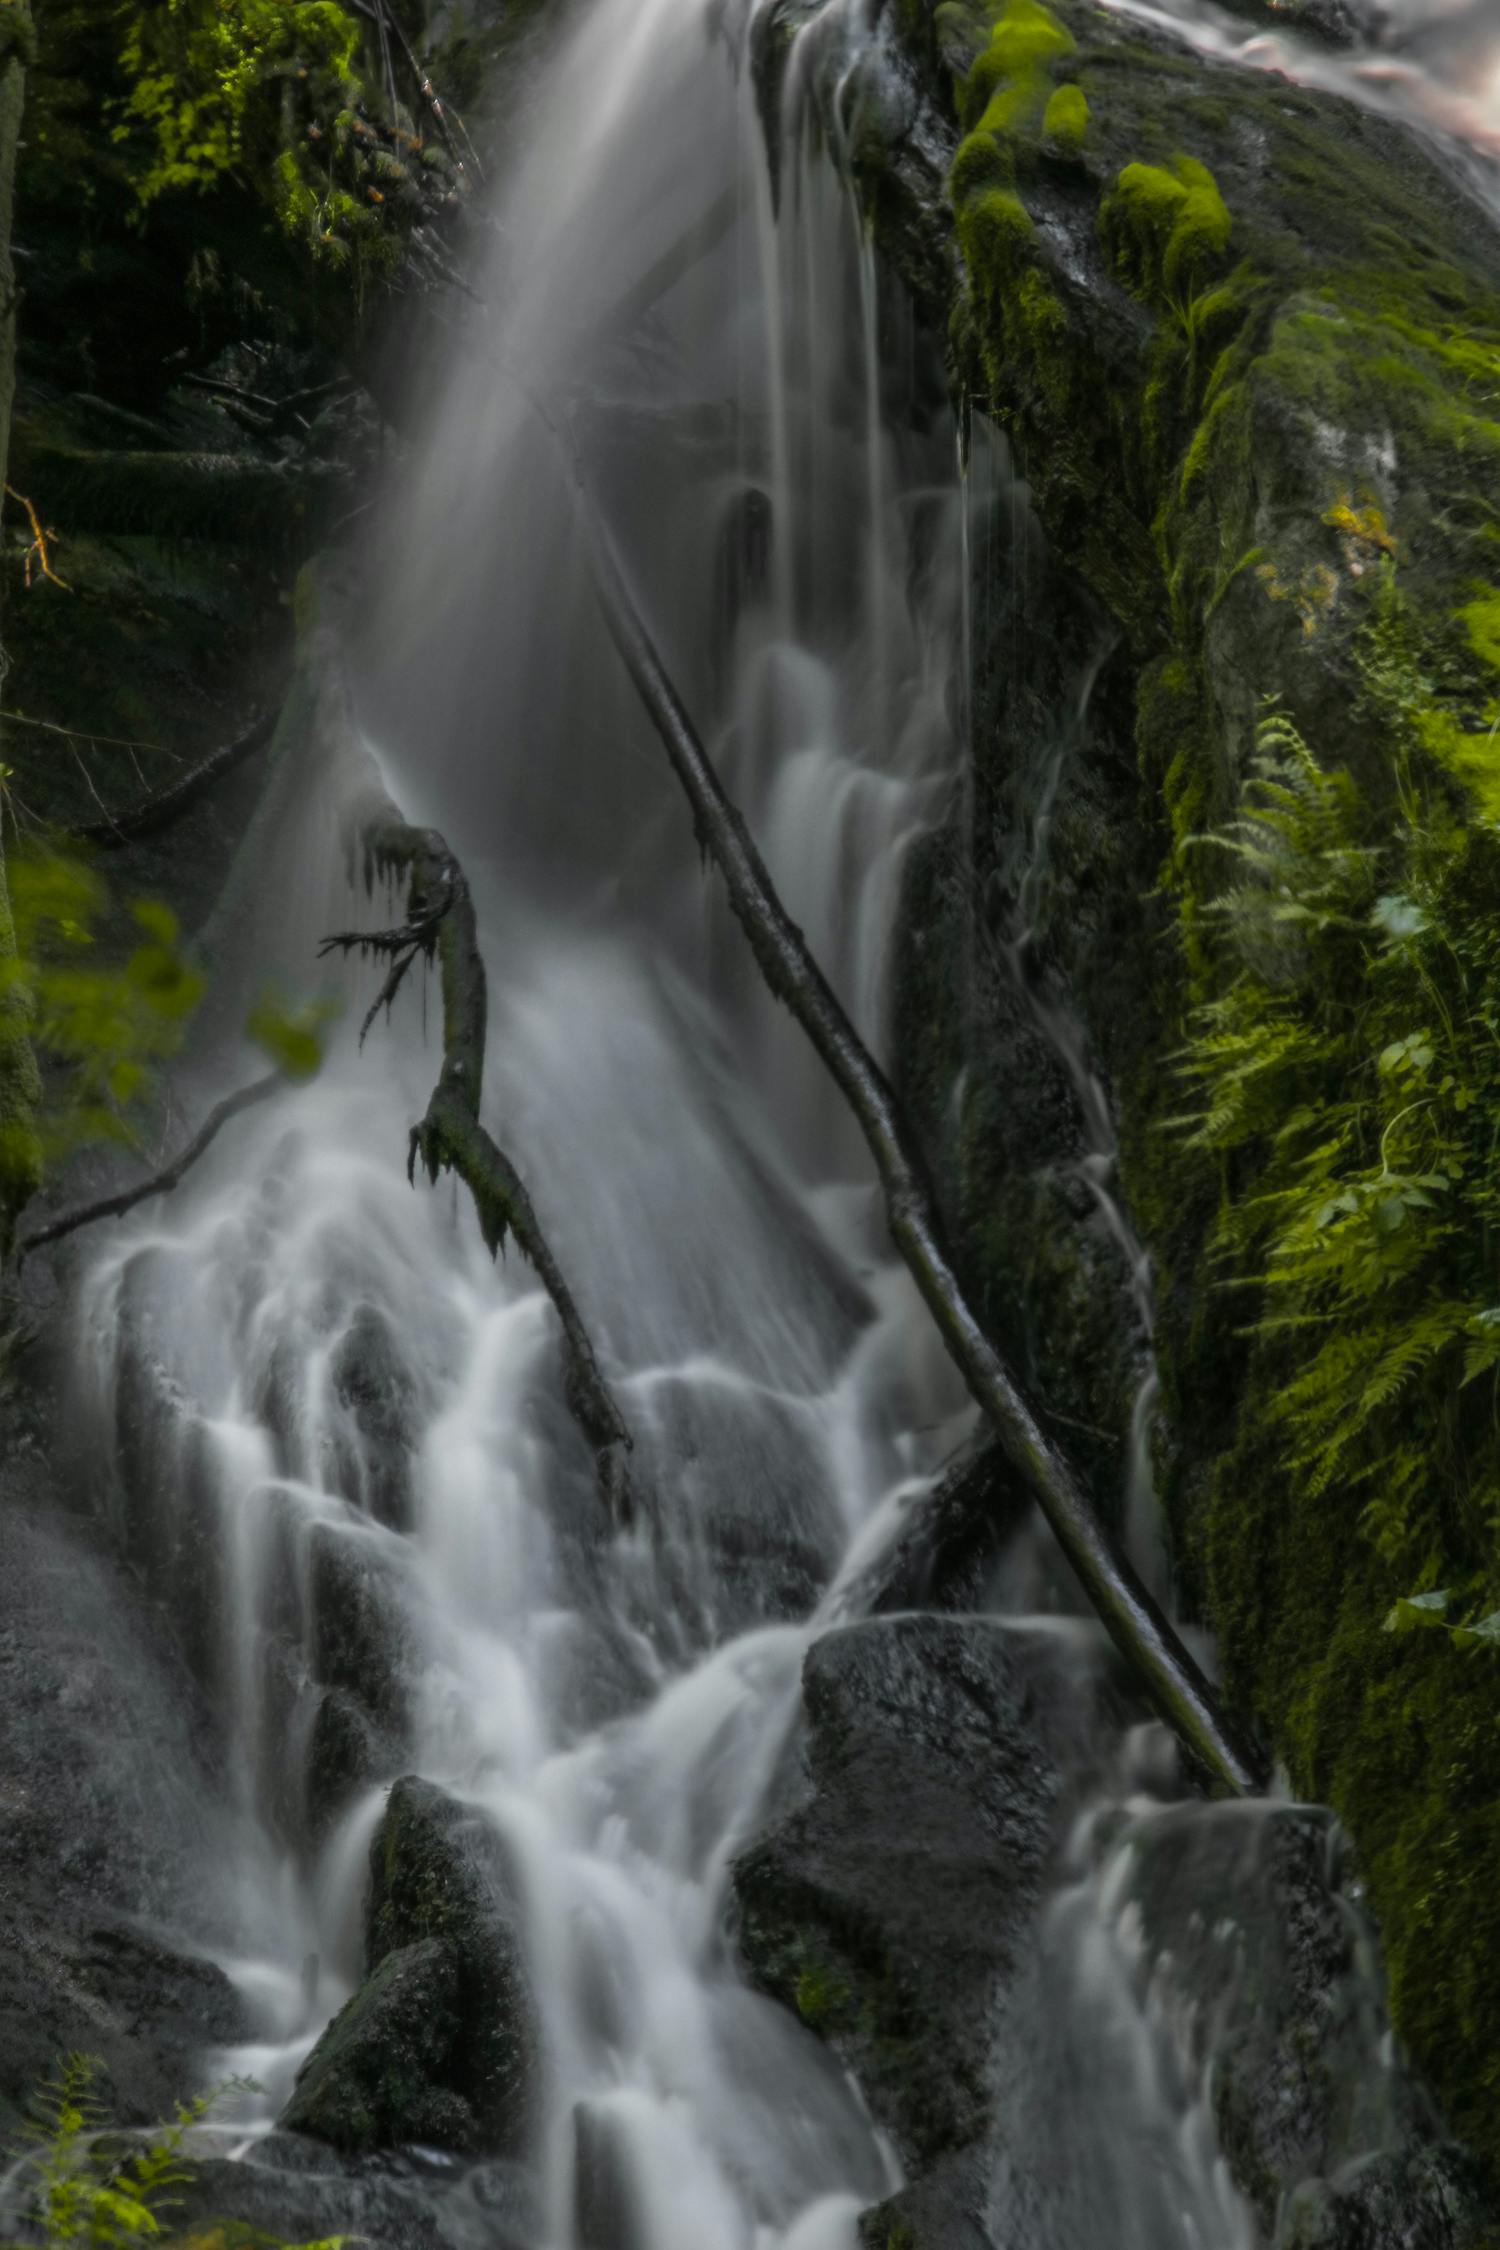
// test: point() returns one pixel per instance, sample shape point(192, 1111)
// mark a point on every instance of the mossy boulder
point(1244, 339)
point(376, 2078)
point(440, 2045)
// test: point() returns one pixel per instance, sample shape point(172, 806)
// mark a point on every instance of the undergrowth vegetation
point(273, 93)
point(1347, 1076)
point(78, 2181)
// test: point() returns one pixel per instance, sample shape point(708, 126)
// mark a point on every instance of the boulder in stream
point(891, 1906)
point(439, 2046)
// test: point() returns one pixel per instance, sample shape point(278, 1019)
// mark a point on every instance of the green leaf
point(292, 1037)
point(1416, 1613)
point(1485, 1634)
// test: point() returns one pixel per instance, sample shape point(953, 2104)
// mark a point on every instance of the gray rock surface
point(111, 1827)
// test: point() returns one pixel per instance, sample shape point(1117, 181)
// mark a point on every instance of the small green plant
point(90, 2185)
point(1346, 1075)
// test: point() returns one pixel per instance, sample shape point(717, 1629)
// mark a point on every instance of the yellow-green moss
point(1165, 227)
point(1025, 40)
point(1066, 121)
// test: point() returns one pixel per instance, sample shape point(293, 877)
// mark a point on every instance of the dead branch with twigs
point(39, 553)
point(440, 923)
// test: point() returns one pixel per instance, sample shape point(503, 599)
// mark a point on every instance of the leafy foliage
point(92, 2187)
point(103, 1018)
point(209, 76)
point(1346, 1074)
point(269, 93)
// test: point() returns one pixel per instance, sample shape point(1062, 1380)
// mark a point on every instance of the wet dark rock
point(346, 1752)
point(73, 1981)
point(608, 2215)
point(495, 2206)
point(440, 2044)
point(744, 1476)
point(892, 1907)
point(1332, 23)
point(945, 1553)
point(946, 2209)
point(375, 2078)
point(360, 1640)
point(110, 1830)
point(276, 2191)
point(371, 1459)
point(1249, 1907)
point(1424, 2199)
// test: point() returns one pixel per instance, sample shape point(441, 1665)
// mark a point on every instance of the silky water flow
point(336, 1429)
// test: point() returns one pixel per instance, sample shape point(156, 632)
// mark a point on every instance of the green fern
point(1343, 1071)
point(86, 2183)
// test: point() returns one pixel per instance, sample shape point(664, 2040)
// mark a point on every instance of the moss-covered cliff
point(1245, 340)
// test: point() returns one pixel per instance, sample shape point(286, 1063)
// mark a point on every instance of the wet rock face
point(374, 1388)
point(109, 1832)
point(892, 1906)
point(1262, 1938)
point(293, 2190)
point(1310, 2094)
point(376, 2078)
point(440, 2045)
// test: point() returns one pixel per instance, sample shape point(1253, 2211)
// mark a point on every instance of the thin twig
point(87, 734)
point(160, 1183)
point(166, 805)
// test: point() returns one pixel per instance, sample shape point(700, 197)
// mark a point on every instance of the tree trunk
point(20, 1090)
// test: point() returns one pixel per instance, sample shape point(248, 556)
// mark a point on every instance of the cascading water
point(342, 1444)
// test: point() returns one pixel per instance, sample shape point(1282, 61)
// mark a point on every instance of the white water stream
point(775, 453)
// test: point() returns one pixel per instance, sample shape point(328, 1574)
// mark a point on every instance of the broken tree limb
point(1175, 1686)
point(440, 921)
point(166, 805)
point(160, 1183)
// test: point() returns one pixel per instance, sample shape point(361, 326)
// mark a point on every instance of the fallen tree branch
point(160, 1183)
point(166, 805)
point(1173, 1682)
point(451, 1138)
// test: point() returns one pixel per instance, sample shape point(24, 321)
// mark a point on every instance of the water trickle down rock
point(900, 1906)
point(1321, 2122)
point(439, 2046)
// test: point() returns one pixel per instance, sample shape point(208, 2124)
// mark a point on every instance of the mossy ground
point(1246, 340)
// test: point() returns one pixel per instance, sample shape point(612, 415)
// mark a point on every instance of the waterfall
point(334, 1430)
